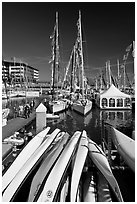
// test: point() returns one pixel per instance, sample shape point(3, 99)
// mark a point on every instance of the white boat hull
point(53, 182)
point(58, 106)
point(99, 159)
point(46, 166)
point(82, 109)
point(78, 165)
point(52, 116)
point(125, 146)
point(22, 174)
point(25, 154)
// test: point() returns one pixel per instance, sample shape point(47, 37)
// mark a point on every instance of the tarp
point(113, 92)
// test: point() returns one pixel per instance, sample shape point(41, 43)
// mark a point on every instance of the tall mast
point(73, 71)
point(67, 69)
point(55, 53)
point(110, 81)
point(118, 75)
point(57, 50)
point(107, 75)
point(124, 75)
point(81, 50)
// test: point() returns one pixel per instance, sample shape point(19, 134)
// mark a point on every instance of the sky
point(108, 28)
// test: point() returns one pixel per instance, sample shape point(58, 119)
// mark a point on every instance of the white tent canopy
point(113, 98)
point(114, 92)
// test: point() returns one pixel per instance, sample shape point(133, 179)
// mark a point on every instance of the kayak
point(27, 167)
point(57, 173)
point(46, 165)
point(79, 162)
point(125, 146)
point(25, 154)
point(100, 160)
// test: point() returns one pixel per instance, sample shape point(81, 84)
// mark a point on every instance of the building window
point(111, 102)
point(104, 102)
point(127, 102)
point(119, 102)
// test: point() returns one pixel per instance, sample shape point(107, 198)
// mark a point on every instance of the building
point(19, 72)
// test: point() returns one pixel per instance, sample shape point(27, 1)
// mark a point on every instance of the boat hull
point(125, 146)
point(82, 109)
point(78, 165)
point(25, 154)
point(46, 166)
point(14, 186)
point(59, 169)
point(99, 159)
point(58, 106)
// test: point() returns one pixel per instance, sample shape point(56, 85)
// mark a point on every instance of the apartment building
point(19, 72)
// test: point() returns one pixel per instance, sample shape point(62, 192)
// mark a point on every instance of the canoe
point(125, 146)
point(56, 175)
point(21, 176)
point(79, 162)
point(47, 165)
point(100, 160)
point(25, 154)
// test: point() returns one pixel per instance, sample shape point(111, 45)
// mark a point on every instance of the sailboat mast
point(72, 71)
point(107, 75)
point(55, 50)
point(110, 81)
point(82, 61)
point(118, 73)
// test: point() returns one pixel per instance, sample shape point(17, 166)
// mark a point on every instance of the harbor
point(70, 122)
point(71, 136)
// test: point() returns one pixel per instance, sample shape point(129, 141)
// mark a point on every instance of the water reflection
point(119, 119)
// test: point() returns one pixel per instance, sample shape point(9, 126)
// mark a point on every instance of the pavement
point(15, 125)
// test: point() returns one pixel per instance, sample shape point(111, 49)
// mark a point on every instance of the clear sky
point(108, 28)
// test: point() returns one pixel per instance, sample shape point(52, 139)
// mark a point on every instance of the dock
point(15, 125)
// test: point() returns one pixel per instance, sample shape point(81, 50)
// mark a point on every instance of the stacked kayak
point(62, 172)
point(125, 146)
point(30, 163)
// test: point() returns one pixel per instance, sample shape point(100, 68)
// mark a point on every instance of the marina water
point(93, 123)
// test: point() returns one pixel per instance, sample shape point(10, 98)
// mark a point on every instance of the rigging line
point(112, 65)
point(86, 47)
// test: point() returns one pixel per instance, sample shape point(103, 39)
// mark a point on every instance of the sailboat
point(55, 105)
point(82, 105)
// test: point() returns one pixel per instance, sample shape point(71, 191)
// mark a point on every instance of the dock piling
point(40, 117)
